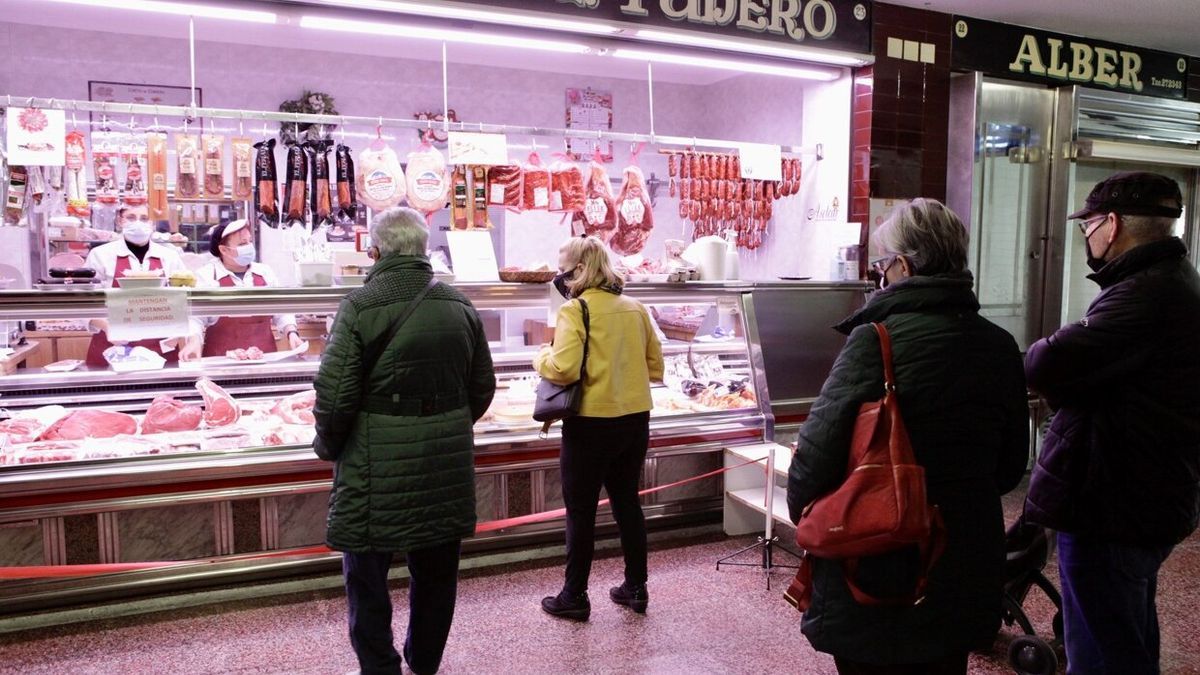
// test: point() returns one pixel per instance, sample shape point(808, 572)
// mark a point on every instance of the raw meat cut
point(248, 354)
point(380, 178)
point(536, 180)
point(599, 215)
point(37, 453)
point(504, 186)
point(168, 414)
point(21, 430)
point(566, 187)
point(297, 408)
point(81, 424)
point(220, 409)
point(635, 216)
point(290, 435)
point(428, 182)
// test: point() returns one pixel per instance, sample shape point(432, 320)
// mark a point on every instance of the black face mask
point(1095, 263)
point(560, 283)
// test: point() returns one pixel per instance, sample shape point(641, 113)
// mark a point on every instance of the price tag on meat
point(760, 161)
point(146, 313)
point(478, 149)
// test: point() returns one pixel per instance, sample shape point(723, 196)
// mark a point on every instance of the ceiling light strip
point(444, 11)
point(440, 34)
point(796, 53)
point(744, 67)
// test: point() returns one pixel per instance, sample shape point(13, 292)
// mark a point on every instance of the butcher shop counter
point(247, 498)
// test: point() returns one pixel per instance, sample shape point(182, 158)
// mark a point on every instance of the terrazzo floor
point(700, 621)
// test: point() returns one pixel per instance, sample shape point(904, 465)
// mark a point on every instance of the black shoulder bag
point(371, 356)
point(557, 401)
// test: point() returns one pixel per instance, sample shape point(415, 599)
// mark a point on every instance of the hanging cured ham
point(599, 215)
point(635, 217)
point(380, 177)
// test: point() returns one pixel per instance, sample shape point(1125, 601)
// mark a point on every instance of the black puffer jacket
point(405, 478)
point(1122, 457)
point(962, 394)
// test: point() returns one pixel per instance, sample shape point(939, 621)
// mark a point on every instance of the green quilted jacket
point(961, 389)
point(404, 478)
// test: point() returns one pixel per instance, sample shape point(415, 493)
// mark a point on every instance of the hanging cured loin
point(635, 216)
point(266, 184)
point(347, 198)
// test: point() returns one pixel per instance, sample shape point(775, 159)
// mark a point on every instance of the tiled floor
point(700, 621)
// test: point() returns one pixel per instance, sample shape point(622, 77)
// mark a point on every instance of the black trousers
point(603, 452)
point(432, 590)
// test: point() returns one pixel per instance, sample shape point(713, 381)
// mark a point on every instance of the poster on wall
point(589, 110)
point(142, 94)
point(35, 137)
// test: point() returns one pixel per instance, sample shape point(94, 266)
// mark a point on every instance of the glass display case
point(106, 467)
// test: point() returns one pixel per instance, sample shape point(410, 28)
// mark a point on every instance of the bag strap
point(587, 335)
point(931, 549)
point(885, 347)
point(376, 349)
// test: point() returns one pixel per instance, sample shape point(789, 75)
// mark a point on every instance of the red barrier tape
point(52, 571)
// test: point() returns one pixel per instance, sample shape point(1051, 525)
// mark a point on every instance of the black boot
point(633, 597)
point(568, 606)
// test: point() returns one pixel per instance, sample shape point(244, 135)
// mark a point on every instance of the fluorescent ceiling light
point(421, 32)
point(180, 8)
point(725, 64)
point(747, 46)
point(486, 16)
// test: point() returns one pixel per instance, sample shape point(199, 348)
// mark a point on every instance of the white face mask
point(136, 232)
point(245, 254)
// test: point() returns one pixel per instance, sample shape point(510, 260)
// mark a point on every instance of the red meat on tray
point(168, 414)
point(81, 424)
point(220, 409)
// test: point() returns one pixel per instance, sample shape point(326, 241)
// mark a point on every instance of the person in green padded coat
point(960, 384)
point(399, 432)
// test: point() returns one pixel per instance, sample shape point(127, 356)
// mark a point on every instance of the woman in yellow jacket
point(605, 445)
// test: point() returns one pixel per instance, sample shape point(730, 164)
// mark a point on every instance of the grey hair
point(400, 230)
point(928, 234)
point(1145, 229)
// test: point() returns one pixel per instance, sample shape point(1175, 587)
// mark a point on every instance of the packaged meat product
point(168, 414)
point(428, 181)
point(188, 161)
point(214, 165)
point(297, 408)
point(266, 183)
point(14, 197)
point(536, 185)
point(76, 159)
point(479, 205)
point(460, 216)
point(380, 177)
point(243, 167)
point(566, 187)
point(504, 187)
point(296, 192)
point(105, 157)
point(635, 217)
point(53, 451)
point(156, 176)
point(347, 200)
point(599, 215)
point(81, 424)
point(322, 201)
point(134, 156)
point(220, 409)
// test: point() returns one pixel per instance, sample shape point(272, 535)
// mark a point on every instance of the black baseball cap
point(1133, 193)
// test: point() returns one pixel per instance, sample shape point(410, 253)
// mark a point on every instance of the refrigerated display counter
point(159, 509)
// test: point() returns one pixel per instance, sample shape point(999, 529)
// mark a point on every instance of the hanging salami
point(266, 184)
point(187, 175)
point(347, 210)
point(635, 217)
point(76, 159)
point(156, 176)
point(322, 201)
point(296, 200)
point(243, 168)
point(214, 165)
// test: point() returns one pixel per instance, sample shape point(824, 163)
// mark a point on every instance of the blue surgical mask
point(245, 254)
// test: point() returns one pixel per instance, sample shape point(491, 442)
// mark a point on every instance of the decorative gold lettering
point(635, 8)
point(668, 8)
point(810, 19)
point(1057, 69)
point(1131, 66)
point(1081, 63)
point(750, 16)
point(1028, 57)
point(1106, 67)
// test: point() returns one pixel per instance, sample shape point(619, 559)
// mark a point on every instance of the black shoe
point(633, 597)
point(568, 606)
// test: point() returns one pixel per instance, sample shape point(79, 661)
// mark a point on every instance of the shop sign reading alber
point(1028, 54)
point(836, 24)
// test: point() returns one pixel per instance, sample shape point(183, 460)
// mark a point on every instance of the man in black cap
point(1120, 474)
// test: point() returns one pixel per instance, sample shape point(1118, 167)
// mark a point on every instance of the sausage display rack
point(253, 513)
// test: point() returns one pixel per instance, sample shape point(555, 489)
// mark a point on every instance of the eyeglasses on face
point(1087, 227)
point(882, 263)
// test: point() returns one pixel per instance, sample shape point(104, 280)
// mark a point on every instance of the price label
point(478, 149)
point(473, 255)
point(760, 161)
point(140, 314)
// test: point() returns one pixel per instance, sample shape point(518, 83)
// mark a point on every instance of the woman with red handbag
point(959, 387)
